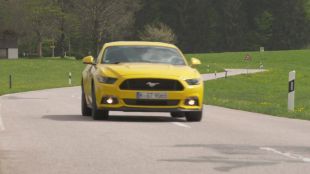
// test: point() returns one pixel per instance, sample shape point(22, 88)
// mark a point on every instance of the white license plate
point(152, 95)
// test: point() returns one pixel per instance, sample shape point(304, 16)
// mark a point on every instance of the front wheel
point(96, 113)
point(194, 116)
point(86, 111)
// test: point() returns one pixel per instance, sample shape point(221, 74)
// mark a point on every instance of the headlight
point(106, 80)
point(193, 81)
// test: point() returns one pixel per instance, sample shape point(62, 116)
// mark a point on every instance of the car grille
point(139, 102)
point(152, 85)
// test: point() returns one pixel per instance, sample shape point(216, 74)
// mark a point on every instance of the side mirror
point(88, 60)
point(195, 61)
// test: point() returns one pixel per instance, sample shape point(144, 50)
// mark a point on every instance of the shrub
point(158, 32)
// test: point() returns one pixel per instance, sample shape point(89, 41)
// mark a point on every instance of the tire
point(194, 116)
point(86, 111)
point(96, 113)
point(177, 114)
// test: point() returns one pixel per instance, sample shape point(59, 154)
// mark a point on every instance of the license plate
point(152, 95)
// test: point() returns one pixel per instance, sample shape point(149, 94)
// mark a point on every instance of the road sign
point(291, 91)
point(248, 57)
point(262, 49)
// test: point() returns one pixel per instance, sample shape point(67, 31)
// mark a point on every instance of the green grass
point(35, 74)
point(264, 92)
point(212, 62)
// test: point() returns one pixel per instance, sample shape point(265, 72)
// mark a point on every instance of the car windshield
point(142, 54)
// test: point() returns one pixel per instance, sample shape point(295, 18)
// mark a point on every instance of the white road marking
point(286, 154)
point(181, 124)
point(1, 122)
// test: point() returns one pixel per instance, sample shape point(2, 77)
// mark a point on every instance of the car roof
point(139, 43)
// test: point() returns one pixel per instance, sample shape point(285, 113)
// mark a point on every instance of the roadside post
point(226, 74)
point(10, 81)
point(261, 51)
point(70, 78)
point(261, 66)
point(291, 91)
point(247, 59)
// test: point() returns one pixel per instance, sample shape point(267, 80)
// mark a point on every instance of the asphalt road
point(230, 72)
point(42, 132)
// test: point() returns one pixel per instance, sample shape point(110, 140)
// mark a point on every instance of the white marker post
point(291, 91)
point(70, 76)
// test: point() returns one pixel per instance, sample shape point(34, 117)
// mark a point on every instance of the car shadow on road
point(66, 118)
point(122, 118)
point(115, 118)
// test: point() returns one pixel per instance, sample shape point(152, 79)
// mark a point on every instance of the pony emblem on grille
point(151, 84)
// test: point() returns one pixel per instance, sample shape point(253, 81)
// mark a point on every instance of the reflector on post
point(291, 91)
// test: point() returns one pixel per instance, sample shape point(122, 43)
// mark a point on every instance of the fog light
point(109, 100)
point(192, 101)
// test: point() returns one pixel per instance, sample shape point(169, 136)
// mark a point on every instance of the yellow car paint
point(124, 71)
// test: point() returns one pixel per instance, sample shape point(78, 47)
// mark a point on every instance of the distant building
point(8, 45)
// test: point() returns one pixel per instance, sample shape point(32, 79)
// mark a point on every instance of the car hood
point(147, 69)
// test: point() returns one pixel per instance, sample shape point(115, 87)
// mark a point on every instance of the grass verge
point(264, 92)
point(35, 74)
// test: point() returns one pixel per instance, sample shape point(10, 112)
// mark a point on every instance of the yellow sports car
point(141, 77)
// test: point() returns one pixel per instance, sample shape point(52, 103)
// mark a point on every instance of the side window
point(114, 54)
point(104, 55)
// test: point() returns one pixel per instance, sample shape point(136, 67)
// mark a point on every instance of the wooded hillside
point(80, 27)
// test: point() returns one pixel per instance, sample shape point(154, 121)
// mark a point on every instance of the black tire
point(194, 116)
point(86, 111)
point(96, 113)
point(177, 114)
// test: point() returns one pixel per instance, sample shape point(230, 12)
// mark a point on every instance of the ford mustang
point(141, 77)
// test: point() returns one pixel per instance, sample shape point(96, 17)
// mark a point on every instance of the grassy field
point(264, 92)
point(212, 62)
point(34, 74)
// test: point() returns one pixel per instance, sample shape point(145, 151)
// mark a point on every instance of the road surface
point(230, 72)
point(43, 132)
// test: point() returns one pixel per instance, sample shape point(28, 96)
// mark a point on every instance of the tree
point(102, 20)
point(42, 17)
point(12, 15)
point(82, 26)
point(264, 28)
point(290, 24)
point(63, 5)
point(158, 32)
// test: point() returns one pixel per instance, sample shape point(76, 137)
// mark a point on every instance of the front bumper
point(104, 90)
point(132, 109)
